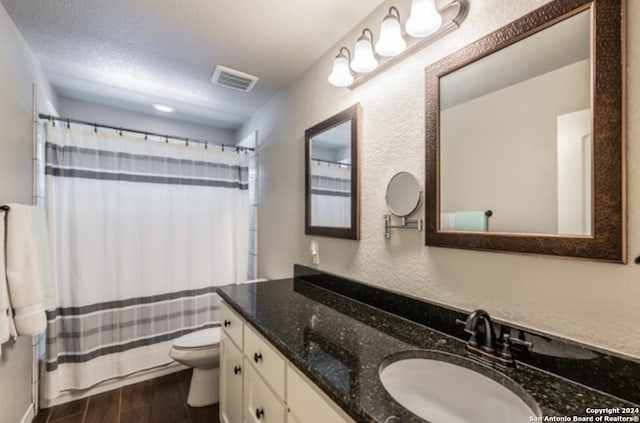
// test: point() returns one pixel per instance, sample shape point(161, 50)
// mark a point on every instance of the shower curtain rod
point(120, 130)
point(330, 162)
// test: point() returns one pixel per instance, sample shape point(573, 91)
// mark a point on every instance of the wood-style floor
point(161, 400)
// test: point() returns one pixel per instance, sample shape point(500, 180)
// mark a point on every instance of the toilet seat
point(205, 338)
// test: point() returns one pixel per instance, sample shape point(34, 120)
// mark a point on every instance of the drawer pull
point(227, 323)
point(237, 370)
point(257, 357)
point(259, 413)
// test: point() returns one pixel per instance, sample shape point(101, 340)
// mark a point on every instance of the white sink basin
point(453, 391)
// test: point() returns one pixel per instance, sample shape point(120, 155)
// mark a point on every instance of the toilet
point(200, 350)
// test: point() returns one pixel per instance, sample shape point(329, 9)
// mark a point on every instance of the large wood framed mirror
point(331, 176)
point(525, 148)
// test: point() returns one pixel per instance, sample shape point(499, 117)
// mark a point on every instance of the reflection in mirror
point(525, 147)
point(539, 146)
point(332, 176)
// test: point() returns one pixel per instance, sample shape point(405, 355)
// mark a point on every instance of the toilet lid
point(199, 338)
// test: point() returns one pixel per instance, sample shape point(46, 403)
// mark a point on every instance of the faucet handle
point(466, 328)
point(472, 340)
point(508, 342)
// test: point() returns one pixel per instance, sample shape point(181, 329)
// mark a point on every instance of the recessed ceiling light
point(162, 108)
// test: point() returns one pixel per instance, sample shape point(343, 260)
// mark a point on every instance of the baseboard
point(29, 414)
point(113, 384)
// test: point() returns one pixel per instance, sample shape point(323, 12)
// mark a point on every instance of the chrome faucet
point(483, 341)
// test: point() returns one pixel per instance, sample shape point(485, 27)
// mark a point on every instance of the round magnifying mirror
point(403, 194)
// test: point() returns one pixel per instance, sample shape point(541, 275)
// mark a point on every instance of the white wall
point(18, 71)
point(596, 303)
point(162, 123)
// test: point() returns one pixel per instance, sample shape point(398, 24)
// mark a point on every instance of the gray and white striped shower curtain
point(142, 233)
point(330, 195)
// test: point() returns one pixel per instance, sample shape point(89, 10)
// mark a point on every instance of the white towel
point(25, 262)
point(7, 329)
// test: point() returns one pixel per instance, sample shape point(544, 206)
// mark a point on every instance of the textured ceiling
point(131, 53)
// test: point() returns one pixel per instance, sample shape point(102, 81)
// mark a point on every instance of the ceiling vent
point(234, 79)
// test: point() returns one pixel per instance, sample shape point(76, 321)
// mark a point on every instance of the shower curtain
point(142, 232)
point(330, 194)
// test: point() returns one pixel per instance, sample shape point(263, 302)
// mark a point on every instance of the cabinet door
point(307, 404)
point(261, 405)
point(231, 370)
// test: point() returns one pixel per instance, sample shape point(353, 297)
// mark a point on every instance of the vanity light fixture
point(424, 26)
point(424, 19)
point(363, 58)
point(391, 42)
point(341, 73)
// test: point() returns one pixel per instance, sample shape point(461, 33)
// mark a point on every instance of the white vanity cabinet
point(259, 385)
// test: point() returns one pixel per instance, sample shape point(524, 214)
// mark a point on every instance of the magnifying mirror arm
point(405, 224)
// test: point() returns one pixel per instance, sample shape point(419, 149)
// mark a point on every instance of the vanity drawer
point(265, 359)
point(232, 324)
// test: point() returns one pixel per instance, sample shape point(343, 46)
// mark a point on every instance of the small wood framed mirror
point(332, 196)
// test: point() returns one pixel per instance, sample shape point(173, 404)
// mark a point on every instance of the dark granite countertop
point(339, 343)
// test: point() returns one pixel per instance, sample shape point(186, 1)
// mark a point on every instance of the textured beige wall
point(18, 71)
point(591, 302)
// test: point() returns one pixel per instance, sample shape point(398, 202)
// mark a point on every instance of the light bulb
point(424, 19)
point(341, 74)
point(363, 58)
point(391, 42)
point(162, 108)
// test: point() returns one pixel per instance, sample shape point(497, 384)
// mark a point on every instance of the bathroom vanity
point(253, 379)
point(310, 349)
